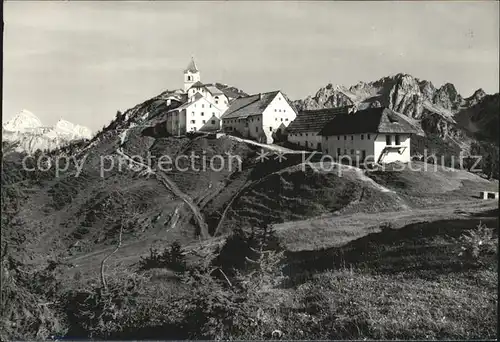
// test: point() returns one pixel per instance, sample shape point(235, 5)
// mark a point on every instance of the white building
point(202, 104)
point(304, 130)
point(260, 116)
point(372, 135)
point(211, 93)
point(198, 114)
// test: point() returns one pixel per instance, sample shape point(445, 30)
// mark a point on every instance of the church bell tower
point(191, 75)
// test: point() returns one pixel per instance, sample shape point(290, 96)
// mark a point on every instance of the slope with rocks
point(481, 118)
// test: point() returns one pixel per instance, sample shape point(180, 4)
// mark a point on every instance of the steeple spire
point(191, 66)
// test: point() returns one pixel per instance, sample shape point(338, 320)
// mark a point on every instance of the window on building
point(279, 110)
point(345, 151)
point(270, 129)
point(306, 134)
point(189, 78)
point(275, 119)
point(352, 137)
point(202, 105)
point(192, 113)
point(338, 137)
point(326, 138)
point(326, 150)
point(213, 113)
point(193, 121)
point(256, 129)
point(352, 152)
point(203, 121)
point(397, 140)
point(338, 151)
point(345, 137)
point(210, 105)
point(286, 119)
point(216, 97)
point(368, 136)
point(362, 137)
point(202, 113)
point(275, 110)
point(213, 122)
point(388, 140)
point(281, 119)
point(216, 102)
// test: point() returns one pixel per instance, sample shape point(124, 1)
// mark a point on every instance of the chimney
point(260, 96)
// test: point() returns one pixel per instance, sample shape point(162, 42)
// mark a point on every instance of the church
point(203, 104)
point(210, 107)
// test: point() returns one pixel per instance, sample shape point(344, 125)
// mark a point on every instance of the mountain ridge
point(27, 131)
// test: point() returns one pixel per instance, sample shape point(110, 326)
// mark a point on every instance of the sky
point(84, 60)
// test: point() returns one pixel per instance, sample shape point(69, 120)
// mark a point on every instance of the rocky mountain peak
point(401, 92)
point(23, 121)
point(480, 93)
point(448, 97)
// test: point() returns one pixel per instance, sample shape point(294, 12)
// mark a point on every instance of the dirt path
point(266, 146)
point(170, 185)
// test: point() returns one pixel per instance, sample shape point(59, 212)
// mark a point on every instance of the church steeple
point(192, 66)
point(191, 74)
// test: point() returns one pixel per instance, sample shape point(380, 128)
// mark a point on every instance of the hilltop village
point(270, 117)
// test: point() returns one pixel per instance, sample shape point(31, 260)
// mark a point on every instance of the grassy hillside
point(60, 228)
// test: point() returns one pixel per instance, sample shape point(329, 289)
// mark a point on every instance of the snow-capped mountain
point(27, 130)
point(22, 122)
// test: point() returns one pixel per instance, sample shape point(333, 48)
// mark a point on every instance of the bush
point(172, 258)
point(29, 307)
point(96, 313)
point(477, 242)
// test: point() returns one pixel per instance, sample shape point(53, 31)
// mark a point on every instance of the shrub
point(477, 242)
point(29, 307)
point(172, 258)
point(96, 313)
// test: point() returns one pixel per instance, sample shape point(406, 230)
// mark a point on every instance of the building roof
point(213, 90)
point(196, 97)
point(314, 120)
point(372, 120)
point(191, 66)
point(232, 94)
point(249, 105)
point(197, 84)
